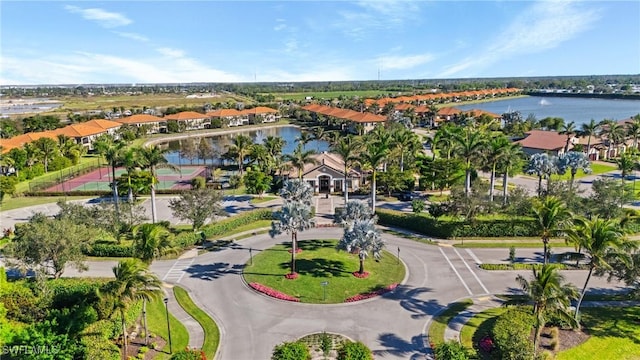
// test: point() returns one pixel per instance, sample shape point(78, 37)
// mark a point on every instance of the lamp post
point(324, 290)
point(250, 256)
point(166, 307)
point(398, 262)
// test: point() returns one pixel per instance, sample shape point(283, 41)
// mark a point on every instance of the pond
point(221, 142)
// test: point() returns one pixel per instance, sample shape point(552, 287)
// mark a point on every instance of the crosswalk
point(459, 261)
point(177, 271)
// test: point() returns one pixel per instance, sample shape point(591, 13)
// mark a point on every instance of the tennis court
point(100, 179)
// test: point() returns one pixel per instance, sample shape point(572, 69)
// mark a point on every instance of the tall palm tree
point(130, 159)
point(347, 148)
point(406, 142)
point(240, 147)
point(293, 217)
point(133, 281)
point(319, 134)
point(48, 150)
point(304, 138)
point(613, 132)
point(574, 161)
point(589, 129)
point(151, 241)
point(362, 236)
point(569, 130)
point(494, 153)
point(353, 210)
point(549, 293)
point(33, 154)
point(111, 151)
point(633, 130)
point(153, 159)
point(512, 159)
point(551, 216)
point(626, 164)
point(470, 143)
point(300, 157)
point(373, 156)
point(602, 240)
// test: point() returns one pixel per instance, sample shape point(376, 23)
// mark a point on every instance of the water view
point(221, 142)
point(579, 110)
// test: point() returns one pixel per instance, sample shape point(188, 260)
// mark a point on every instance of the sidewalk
point(196, 333)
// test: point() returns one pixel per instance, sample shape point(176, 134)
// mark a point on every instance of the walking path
point(195, 330)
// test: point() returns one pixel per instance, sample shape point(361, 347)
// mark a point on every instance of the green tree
point(300, 157)
point(574, 161)
point(589, 130)
point(603, 241)
point(551, 217)
point(152, 158)
point(347, 148)
point(151, 241)
point(495, 152)
point(133, 282)
point(451, 350)
point(48, 150)
point(549, 294)
point(469, 145)
point(543, 166)
point(110, 149)
point(7, 186)
point(240, 147)
point(354, 351)
point(362, 236)
point(293, 217)
point(50, 244)
point(626, 163)
point(291, 351)
point(511, 159)
point(257, 182)
point(608, 197)
point(373, 156)
point(197, 205)
point(568, 129)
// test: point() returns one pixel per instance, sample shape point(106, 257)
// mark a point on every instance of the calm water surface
point(579, 110)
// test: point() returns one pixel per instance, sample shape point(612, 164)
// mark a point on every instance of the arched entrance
point(324, 183)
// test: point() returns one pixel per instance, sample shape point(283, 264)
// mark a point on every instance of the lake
point(579, 110)
point(220, 142)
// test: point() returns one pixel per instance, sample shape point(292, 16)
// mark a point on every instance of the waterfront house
point(541, 141)
point(192, 120)
point(229, 117)
point(153, 124)
point(327, 174)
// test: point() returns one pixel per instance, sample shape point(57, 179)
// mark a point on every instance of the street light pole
point(166, 307)
point(398, 255)
point(250, 256)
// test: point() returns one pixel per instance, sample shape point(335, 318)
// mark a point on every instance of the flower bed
point(273, 293)
point(291, 276)
point(486, 344)
point(364, 275)
point(371, 294)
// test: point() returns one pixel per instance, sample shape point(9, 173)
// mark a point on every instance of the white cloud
point(376, 15)
point(174, 53)
point(132, 36)
point(104, 18)
point(542, 26)
point(404, 62)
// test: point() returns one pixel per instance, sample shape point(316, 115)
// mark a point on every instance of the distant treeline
point(585, 95)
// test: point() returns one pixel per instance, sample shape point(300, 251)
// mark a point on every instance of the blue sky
point(66, 42)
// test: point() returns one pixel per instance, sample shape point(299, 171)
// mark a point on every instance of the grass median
point(211, 331)
point(157, 322)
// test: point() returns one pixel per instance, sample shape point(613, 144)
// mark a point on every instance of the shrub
point(188, 354)
point(227, 225)
point(354, 351)
point(511, 333)
point(451, 350)
point(110, 250)
point(291, 351)
point(325, 343)
point(198, 182)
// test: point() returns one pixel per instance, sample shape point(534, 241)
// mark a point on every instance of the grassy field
point(157, 322)
point(211, 331)
point(320, 261)
point(440, 322)
point(615, 334)
point(597, 169)
point(330, 94)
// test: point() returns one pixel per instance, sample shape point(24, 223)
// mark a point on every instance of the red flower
point(364, 275)
point(371, 294)
point(273, 293)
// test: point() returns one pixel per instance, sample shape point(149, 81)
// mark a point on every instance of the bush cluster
point(517, 266)
point(511, 333)
point(291, 351)
point(110, 250)
point(354, 351)
point(427, 225)
point(234, 222)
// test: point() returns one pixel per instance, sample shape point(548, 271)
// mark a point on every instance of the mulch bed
point(567, 339)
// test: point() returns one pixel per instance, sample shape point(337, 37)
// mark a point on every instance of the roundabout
point(325, 275)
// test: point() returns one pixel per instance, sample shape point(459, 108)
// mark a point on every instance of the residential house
point(154, 124)
point(540, 141)
point(191, 119)
point(86, 133)
point(229, 117)
point(327, 174)
point(261, 114)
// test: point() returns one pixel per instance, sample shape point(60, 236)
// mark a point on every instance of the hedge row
point(518, 266)
point(227, 225)
point(430, 226)
point(511, 333)
point(110, 250)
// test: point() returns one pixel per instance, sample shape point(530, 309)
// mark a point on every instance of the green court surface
point(187, 172)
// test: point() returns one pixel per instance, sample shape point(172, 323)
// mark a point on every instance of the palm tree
point(111, 152)
point(153, 159)
point(319, 134)
point(130, 159)
point(240, 147)
point(495, 152)
point(362, 236)
point(347, 148)
point(133, 281)
point(300, 157)
point(304, 138)
point(626, 164)
point(151, 241)
point(551, 216)
point(48, 150)
point(549, 293)
point(569, 130)
point(633, 130)
point(603, 242)
point(353, 210)
point(512, 159)
point(470, 144)
point(296, 190)
point(373, 156)
point(294, 216)
point(614, 133)
point(574, 161)
point(543, 166)
point(405, 141)
point(589, 129)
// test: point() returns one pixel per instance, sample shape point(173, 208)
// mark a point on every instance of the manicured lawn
point(265, 198)
point(479, 326)
point(157, 322)
point(211, 331)
point(615, 334)
point(440, 322)
point(320, 261)
point(20, 202)
point(596, 168)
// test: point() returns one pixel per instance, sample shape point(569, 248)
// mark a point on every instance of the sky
point(83, 42)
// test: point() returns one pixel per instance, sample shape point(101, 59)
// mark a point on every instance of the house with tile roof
point(86, 133)
point(229, 117)
point(541, 141)
point(153, 123)
point(261, 114)
point(192, 120)
point(327, 174)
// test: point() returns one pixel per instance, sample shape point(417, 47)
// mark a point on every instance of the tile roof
point(104, 124)
point(259, 110)
point(367, 117)
point(543, 140)
point(224, 113)
point(327, 159)
point(448, 111)
point(480, 112)
point(186, 115)
point(139, 119)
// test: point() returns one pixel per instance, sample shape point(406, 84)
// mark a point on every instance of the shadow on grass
point(318, 267)
point(620, 322)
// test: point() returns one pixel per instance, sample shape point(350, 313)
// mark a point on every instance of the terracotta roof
point(104, 124)
point(543, 140)
point(186, 115)
point(330, 160)
point(312, 107)
point(140, 118)
point(421, 109)
point(259, 110)
point(480, 112)
point(224, 113)
point(20, 140)
point(584, 140)
point(79, 130)
point(367, 117)
point(404, 106)
point(448, 111)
